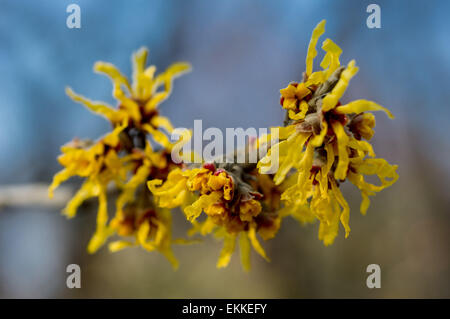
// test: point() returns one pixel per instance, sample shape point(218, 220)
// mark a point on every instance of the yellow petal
point(329, 231)
point(143, 232)
point(300, 115)
point(168, 253)
point(102, 214)
point(112, 72)
point(244, 246)
point(342, 142)
point(304, 168)
point(139, 60)
point(317, 140)
point(174, 71)
point(128, 104)
point(288, 92)
point(158, 136)
point(166, 78)
point(290, 103)
point(345, 215)
point(97, 107)
point(129, 189)
point(361, 146)
point(294, 145)
point(155, 100)
point(380, 167)
point(316, 78)
point(365, 203)
point(112, 139)
point(285, 132)
point(359, 106)
point(98, 239)
point(87, 190)
point(302, 213)
point(162, 121)
point(177, 69)
point(227, 250)
point(312, 52)
point(194, 210)
point(102, 232)
point(59, 178)
point(255, 243)
point(119, 245)
point(331, 59)
point(331, 99)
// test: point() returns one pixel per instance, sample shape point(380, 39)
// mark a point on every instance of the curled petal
point(255, 243)
point(86, 191)
point(331, 58)
point(139, 60)
point(97, 107)
point(331, 99)
point(361, 146)
point(162, 121)
point(128, 104)
point(358, 181)
point(359, 106)
point(119, 245)
point(316, 78)
point(244, 246)
point(317, 140)
point(300, 115)
point(158, 136)
point(204, 201)
point(59, 178)
point(112, 139)
point(102, 232)
point(155, 100)
point(112, 72)
point(328, 230)
point(342, 142)
point(129, 189)
point(345, 215)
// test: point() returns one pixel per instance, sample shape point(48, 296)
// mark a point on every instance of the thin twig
point(33, 195)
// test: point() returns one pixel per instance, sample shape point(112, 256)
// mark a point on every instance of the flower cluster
point(126, 158)
point(322, 144)
point(236, 200)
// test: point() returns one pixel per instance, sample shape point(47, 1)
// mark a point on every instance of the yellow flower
point(151, 229)
point(294, 93)
point(125, 157)
point(98, 163)
point(138, 101)
point(232, 206)
point(85, 159)
point(322, 143)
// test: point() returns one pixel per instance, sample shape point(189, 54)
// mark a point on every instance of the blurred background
point(242, 53)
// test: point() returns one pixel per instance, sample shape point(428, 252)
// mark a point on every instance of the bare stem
point(25, 195)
